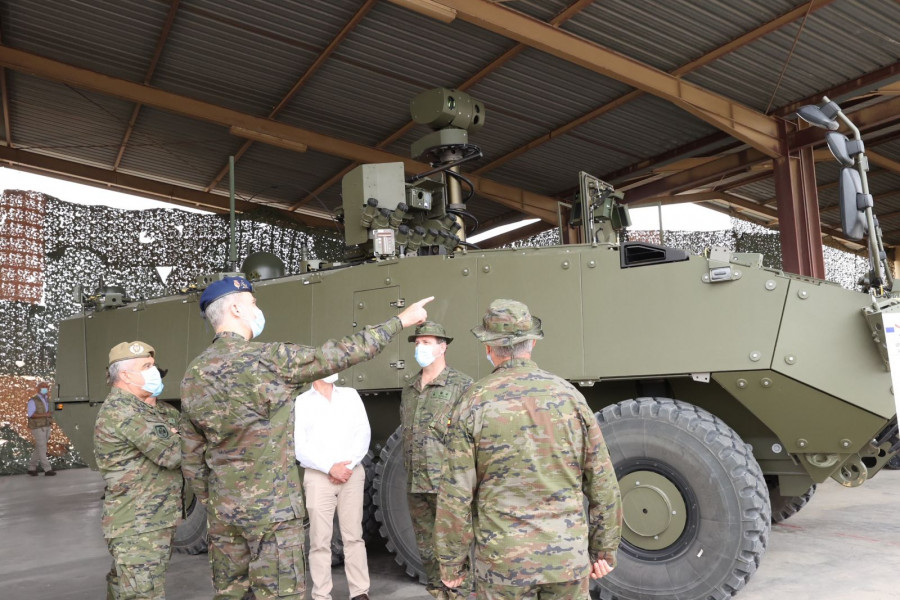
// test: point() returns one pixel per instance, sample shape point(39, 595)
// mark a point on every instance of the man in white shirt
point(331, 437)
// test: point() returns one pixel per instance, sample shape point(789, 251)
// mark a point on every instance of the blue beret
point(223, 287)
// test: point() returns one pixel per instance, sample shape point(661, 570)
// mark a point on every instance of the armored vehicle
point(726, 391)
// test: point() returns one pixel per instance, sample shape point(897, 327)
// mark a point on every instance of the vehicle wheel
point(370, 525)
point(894, 463)
point(697, 515)
point(393, 511)
point(784, 507)
point(190, 536)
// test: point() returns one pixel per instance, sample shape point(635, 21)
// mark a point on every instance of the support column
point(798, 212)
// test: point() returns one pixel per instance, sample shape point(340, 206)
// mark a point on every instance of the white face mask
point(488, 355)
point(331, 378)
point(424, 355)
point(257, 321)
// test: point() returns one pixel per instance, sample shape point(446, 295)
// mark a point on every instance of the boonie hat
point(430, 328)
point(127, 350)
point(223, 287)
point(508, 322)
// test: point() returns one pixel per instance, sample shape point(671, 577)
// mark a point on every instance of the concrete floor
point(844, 544)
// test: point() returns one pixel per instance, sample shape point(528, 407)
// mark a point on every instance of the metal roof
point(346, 69)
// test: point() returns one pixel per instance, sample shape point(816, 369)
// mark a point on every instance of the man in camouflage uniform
point(425, 408)
point(238, 439)
point(524, 453)
point(138, 452)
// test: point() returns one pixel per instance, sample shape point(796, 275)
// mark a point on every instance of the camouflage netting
point(841, 267)
point(47, 246)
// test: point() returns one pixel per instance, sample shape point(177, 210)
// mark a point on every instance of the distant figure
point(426, 406)
point(40, 421)
point(238, 439)
point(522, 457)
point(138, 452)
point(331, 437)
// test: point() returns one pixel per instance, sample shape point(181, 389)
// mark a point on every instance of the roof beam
point(142, 186)
point(742, 122)
point(531, 203)
point(495, 64)
point(160, 44)
point(307, 75)
point(735, 44)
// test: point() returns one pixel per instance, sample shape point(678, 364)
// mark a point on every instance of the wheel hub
point(654, 510)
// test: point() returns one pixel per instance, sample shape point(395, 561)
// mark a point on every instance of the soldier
point(425, 408)
point(40, 421)
point(138, 452)
point(525, 452)
point(238, 440)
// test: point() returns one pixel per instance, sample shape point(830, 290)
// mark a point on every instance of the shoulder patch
point(161, 431)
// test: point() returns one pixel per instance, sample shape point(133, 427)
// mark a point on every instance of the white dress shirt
point(330, 431)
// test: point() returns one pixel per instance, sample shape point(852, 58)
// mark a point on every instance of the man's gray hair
point(114, 371)
point(518, 350)
point(215, 312)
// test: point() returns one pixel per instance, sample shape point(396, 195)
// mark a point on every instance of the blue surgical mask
point(152, 381)
point(44, 391)
point(424, 356)
point(488, 355)
point(258, 323)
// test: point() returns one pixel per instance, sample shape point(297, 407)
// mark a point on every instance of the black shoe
point(360, 597)
point(48, 473)
point(32, 473)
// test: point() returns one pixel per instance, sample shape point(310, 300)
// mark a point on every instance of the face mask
point(488, 355)
point(424, 355)
point(258, 323)
point(331, 378)
point(152, 381)
point(43, 391)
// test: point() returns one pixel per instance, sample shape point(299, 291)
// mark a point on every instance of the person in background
point(40, 421)
point(426, 406)
point(138, 452)
point(331, 437)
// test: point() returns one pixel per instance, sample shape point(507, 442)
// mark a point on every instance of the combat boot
point(48, 473)
point(32, 472)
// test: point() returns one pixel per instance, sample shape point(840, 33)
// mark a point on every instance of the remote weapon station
point(726, 391)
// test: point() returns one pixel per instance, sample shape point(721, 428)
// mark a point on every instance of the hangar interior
point(676, 101)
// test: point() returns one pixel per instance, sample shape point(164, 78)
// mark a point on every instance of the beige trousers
point(322, 499)
point(41, 436)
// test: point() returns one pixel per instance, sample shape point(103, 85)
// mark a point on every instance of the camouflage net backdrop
point(47, 246)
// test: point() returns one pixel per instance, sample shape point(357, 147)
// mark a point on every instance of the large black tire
point(704, 499)
point(784, 507)
point(894, 463)
point(370, 525)
point(190, 536)
point(392, 509)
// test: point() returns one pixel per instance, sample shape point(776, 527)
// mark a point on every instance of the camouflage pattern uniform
point(238, 446)
point(524, 453)
point(425, 419)
point(138, 456)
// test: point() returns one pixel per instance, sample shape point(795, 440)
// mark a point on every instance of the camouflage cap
point(129, 350)
point(430, 328)
point(508, 322)
point(223, 287)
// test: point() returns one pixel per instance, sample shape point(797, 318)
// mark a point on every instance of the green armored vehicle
point(726, 391)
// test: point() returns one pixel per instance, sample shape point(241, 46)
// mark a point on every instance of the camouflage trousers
point(422, 510)
point(139, 565)
point(568, 590)
point(257, 562)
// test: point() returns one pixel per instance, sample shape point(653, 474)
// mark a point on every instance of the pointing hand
point(415, 314)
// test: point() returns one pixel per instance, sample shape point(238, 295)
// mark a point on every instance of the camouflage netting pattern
point(47, 246)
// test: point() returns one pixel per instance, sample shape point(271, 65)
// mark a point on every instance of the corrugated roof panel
point(667, 35)
point(114, 38)
point(245, 56)
point(177, 149)
point(52, 118)
point(840, 42)
point(543, 10)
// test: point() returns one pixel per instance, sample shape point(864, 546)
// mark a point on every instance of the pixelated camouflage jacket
point(138, 455)
point(524, 446)
point(425, 419)
point(238, 439)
